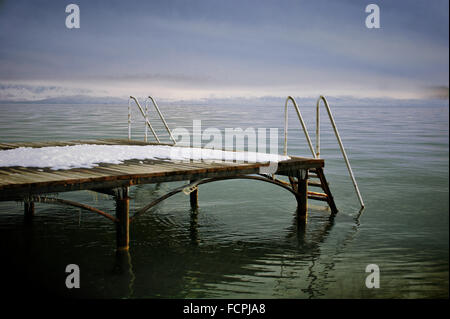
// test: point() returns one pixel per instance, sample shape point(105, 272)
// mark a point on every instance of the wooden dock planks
point(20, 182)
point(27, 183)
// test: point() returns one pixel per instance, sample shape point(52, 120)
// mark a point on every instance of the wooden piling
point(194, 199)
point(123, 216)
point(302, 194)
point(28, 211)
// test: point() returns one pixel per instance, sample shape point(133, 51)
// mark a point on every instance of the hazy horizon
point(224, 50)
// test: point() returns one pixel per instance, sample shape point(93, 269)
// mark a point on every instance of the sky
point(224, 49)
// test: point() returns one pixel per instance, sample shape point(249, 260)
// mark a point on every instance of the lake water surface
point(244, 242)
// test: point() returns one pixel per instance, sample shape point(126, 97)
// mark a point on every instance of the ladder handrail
point(338, 137)
point(301, 121)
point(145, 115)
point(160, 116)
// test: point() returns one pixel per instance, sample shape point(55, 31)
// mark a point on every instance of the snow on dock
point(89, 156)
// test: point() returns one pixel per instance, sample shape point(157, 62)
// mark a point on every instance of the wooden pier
point(35, 185)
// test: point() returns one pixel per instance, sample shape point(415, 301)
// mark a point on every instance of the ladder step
point(318, 194)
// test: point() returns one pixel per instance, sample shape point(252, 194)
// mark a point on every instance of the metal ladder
point(318, 173)
point(146, 120)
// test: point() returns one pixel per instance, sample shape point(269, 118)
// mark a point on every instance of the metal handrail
point(344, 154)
point(147, 122)
point(301, 121)
point(160, 116)
point(145, 115)
point(316, 152)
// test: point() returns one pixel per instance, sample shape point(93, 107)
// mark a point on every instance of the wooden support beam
point(194, 198)
point(327, 190)
point(302, 191)
point(28, 211)
point(123, 216)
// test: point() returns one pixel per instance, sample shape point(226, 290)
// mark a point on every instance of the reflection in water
point(315, 288)
point(241, 262)
point(193, 227)
point(123, 268)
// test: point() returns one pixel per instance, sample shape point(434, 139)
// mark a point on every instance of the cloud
point(180, 50)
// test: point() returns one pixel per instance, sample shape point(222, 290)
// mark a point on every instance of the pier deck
point(31, 185)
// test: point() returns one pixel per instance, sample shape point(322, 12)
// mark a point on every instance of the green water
point(245, 242)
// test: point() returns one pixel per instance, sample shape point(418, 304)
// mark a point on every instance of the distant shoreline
point(243, 101)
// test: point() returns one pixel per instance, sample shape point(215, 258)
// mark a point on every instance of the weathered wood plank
point(318, 194)
point(17, 190)
point(17, 182)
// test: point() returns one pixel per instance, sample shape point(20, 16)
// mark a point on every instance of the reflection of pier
point(31, 185)
point(291, 262)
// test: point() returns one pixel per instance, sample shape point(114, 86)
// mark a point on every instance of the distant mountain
point(74, 99)
point(241, 101)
